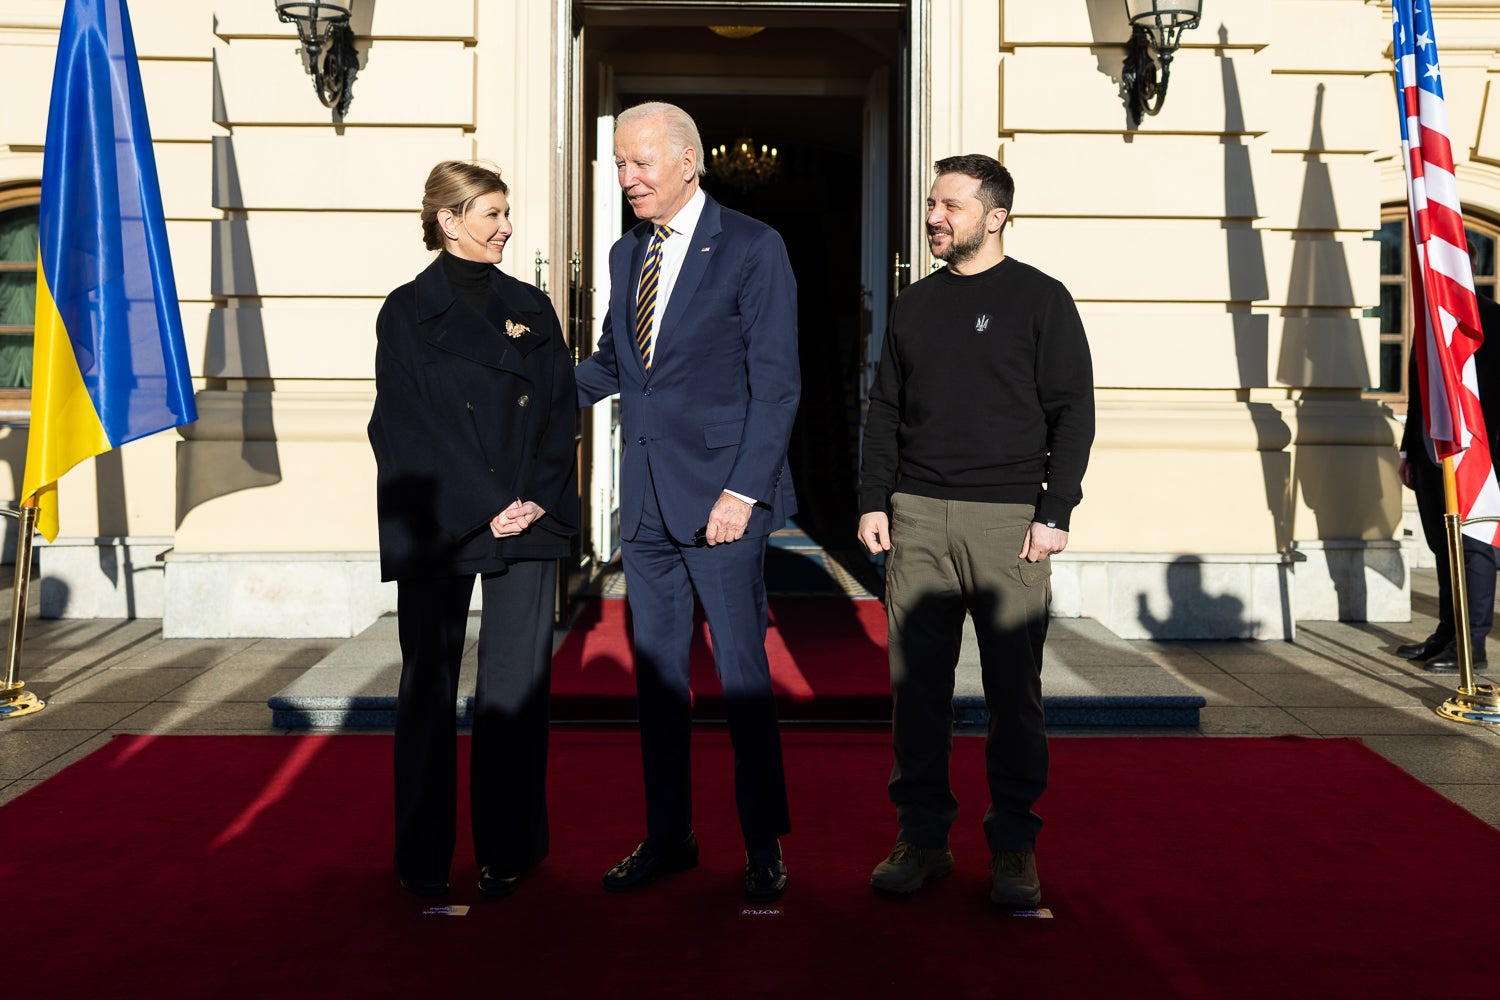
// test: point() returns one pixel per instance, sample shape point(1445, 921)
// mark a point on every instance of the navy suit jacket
point(715, 412)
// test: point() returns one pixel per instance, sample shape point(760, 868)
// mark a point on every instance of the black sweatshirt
point(985, 392)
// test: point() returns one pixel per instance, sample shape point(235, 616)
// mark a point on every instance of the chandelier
point(740, 165)
point(736, 30)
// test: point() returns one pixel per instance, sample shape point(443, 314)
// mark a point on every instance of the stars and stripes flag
point(1445, 311)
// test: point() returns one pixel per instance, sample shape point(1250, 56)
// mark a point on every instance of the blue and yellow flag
point(110, 365)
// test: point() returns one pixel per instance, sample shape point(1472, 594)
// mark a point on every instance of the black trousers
point(508, 764)
point(1479, 558)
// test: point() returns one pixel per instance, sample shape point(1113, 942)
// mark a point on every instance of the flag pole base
point(16, 702)
point(1479, 706)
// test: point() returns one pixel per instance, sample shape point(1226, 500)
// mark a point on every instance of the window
point(1395, 308)
point(18, 243)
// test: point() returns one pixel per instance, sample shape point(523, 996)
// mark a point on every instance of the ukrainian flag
point(110, 365)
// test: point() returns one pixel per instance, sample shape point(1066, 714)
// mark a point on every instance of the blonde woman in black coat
point(473, 433)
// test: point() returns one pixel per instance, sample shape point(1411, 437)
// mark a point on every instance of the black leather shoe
point(646, 863)
point(765, 879)
point(496, 885)
point(1424, 650)
point(418, 888)
point(1447, 661)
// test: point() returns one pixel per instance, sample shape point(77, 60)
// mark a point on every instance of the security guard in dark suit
point(1420, 470)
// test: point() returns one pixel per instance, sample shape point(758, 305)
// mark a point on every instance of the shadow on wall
point(1193, 613)
point(233, 445)
point(361, 24)
point(115, 563)
point(1339, 436)
point(362, 21)
point(1110, 29)
point(1248, 284)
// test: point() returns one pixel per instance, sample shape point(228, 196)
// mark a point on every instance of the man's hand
point(1042, 541)
point(515, 519)
point(727, 521)
point(1403, 473)
point(875, 531)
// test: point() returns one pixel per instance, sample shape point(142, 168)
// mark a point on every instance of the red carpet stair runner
point(827, 647)
point(828, 663)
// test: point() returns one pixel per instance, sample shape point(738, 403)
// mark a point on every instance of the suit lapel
point(694, 266)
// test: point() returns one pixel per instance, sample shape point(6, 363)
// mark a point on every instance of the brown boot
point(909, 866)
point(1013, 880)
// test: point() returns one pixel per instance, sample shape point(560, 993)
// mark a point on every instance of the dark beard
point(960, 252)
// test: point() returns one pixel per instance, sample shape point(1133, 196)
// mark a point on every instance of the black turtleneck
point(469, 278)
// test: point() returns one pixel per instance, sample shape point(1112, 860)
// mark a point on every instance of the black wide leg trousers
point(508, 763)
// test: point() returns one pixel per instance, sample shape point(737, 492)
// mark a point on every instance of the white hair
point(681, 130)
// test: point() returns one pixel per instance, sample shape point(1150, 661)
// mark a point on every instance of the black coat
point(467, 419)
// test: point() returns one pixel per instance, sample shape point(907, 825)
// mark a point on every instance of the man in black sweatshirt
point(980, 423)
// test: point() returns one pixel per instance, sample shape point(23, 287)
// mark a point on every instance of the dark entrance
point(813, 201)
point(806, 87)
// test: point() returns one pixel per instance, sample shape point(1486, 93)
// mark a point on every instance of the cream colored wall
point(287, 232)
point(318, 224)
point(1218, 253)
point(1219, 257)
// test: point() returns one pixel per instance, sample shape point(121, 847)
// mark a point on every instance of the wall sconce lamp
point(1156, 28)
point(327, 49)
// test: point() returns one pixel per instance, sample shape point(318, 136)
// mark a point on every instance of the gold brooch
point(514, 329)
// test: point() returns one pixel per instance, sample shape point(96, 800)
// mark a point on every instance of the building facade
point(1237, 260)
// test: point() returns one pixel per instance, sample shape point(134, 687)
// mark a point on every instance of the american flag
point(1445, 310)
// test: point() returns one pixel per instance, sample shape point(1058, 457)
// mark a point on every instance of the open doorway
point(813, 201)
point(819, 86)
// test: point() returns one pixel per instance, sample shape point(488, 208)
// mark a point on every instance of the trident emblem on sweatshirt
point(982, 322)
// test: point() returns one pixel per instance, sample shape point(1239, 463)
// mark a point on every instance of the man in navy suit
point(700, 341)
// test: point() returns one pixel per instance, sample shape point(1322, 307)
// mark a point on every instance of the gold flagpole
point(1475, 704)
point(15, 701)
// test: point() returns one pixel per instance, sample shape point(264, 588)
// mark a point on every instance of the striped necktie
point(645, 307)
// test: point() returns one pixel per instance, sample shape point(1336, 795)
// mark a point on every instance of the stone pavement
point(1338, 679)
point(1092, 678)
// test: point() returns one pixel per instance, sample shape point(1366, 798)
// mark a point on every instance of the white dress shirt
point(674, 251)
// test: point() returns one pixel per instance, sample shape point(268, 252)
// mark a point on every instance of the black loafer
point(419, 888)
point(1447, 663)
point(765, 879)
point(1424, 650)
point(495, 884)
point(646, 863)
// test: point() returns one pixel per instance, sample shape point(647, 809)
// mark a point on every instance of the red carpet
point(828, 660)
point(258, 866)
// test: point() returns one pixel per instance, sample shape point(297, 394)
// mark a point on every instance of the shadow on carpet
point(828, 661)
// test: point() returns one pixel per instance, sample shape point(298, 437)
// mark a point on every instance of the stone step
point(1092, 678)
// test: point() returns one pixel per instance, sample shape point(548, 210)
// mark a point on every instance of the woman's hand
point(515, 519)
